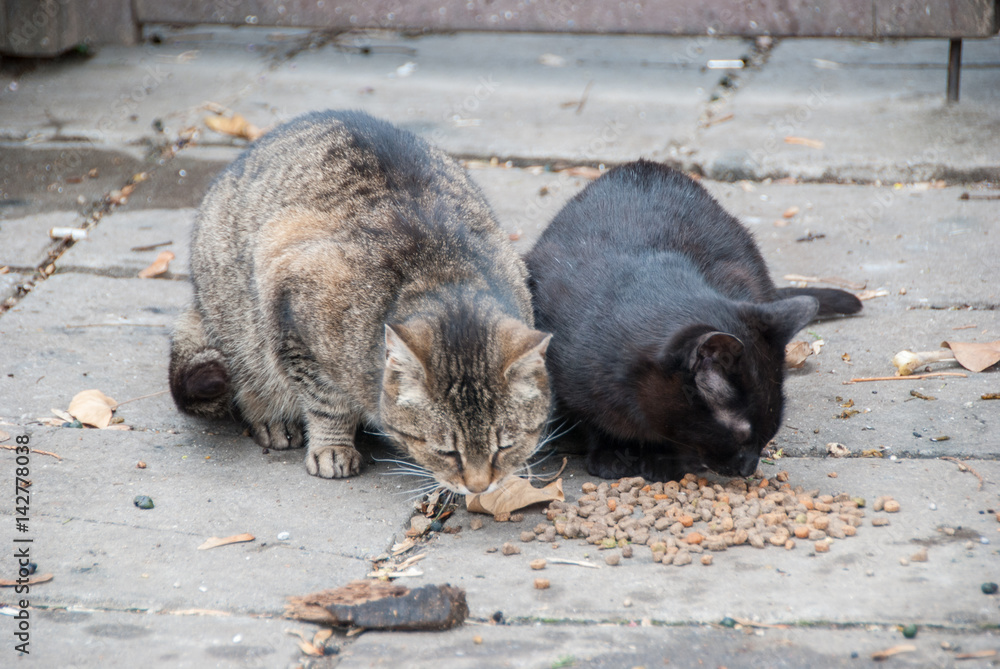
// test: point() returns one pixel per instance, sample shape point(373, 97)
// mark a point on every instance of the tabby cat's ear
point(524, 349)
point(404, 370)
point(786, 317)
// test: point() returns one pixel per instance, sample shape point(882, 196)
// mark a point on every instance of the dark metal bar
point(954, 68)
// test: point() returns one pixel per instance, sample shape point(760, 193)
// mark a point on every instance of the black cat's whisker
point(558, 432)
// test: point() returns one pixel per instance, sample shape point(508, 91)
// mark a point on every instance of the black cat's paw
point(610, 462)
point(660, 467)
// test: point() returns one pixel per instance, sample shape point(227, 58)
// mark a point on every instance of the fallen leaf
point(41, 578)
point(846, 357)
point(92, 407)
point(215, 542)
point(817, 346)
point(838, 450)
point(871, 294)
point(796, 353)
point(976, 655)
point(62, 414)
point(310, 649)
point(513, 493)
point(234, 125)
point(790, 212)
point(973, 356)
point(158, 266)
point(834, 280)
point(321, 637)
point(584, 171)
point(804, 141)
point(872, 453)
point(895, 650)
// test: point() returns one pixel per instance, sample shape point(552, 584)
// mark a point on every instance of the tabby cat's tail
point(199, 376)
point(832, 302)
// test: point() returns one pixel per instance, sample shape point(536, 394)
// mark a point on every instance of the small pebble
point(542, 584)
point(613, 559)
point(510, 549)
point(140, 465)
point(919, 556)
point(989, 588)
point(904, 562)
point(143, 502)
point(627, 602)
point(910, 631)
point(477, 639)
point(284, 536)
point(727, 622)
point(538, 563)
point(932, 506)
point(832, 475)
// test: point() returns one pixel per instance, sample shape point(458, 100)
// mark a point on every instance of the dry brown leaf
point(215, 542)
point(199, 612)
point(976, 654)
point(895, 650)
point(796, 353)
point(973, 356)
point(804, 141)
point(871, 294)
point(234, 125)
point(583, 171)
point(322, 636)
point(512, 494)
point(62, 414)
point(310, 649)
point(158, 266)
point(92, 407)
point(41, 578)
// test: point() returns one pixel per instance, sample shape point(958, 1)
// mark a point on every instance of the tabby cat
point(346, 273)
point(668, 333)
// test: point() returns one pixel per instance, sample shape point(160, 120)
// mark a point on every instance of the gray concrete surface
point(130, 587)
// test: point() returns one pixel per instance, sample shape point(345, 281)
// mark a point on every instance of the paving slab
point(908, 127)
point(543, 646)
point(107, 553)
point(25, 242)
point(81, 637)
point(926, 241)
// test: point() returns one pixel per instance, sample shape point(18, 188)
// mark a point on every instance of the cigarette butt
point(76, 234)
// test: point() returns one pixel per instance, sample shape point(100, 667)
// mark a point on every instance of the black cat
point(669, 335)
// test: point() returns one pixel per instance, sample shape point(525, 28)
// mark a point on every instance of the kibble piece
point(686, 521)
point(627, 551)
point(802, 531)
point(756, 539)
point(879, 503)
point(891, 506)
point(880, 522)
point(817, 535)
point(822, 547)
point(612, 559)
point(589, 487)
point(502, 517)
point(475, 523)
point(904, 562)
point(821, 522)
point(790, 544)
point(542, 584)
point(510, 549)
point(549, 535)
point(849, 531)
point(527, 536)
point(538, 563)
point(681, 558)
point(706, 559)
point(694, 538)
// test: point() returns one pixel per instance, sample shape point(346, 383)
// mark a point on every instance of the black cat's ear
point(784, 318)
point(718, 349)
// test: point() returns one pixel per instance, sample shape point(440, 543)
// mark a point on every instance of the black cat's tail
point(832, 302)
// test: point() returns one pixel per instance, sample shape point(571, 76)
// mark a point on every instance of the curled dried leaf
point(975, 357)
point(513, 493)
point(796, 353)
point(92, 407)
point(158, 266)
point(234, 125)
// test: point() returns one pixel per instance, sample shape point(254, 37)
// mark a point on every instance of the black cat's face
point(718, 399)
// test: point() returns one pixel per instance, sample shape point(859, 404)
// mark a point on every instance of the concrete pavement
point(129, 586)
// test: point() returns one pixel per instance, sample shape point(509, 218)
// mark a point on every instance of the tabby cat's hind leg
point(199, 377)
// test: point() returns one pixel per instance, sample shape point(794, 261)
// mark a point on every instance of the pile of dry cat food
point(677, 520)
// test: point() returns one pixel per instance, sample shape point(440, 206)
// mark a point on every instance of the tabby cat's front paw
point(333, 462)
point(279, 436)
